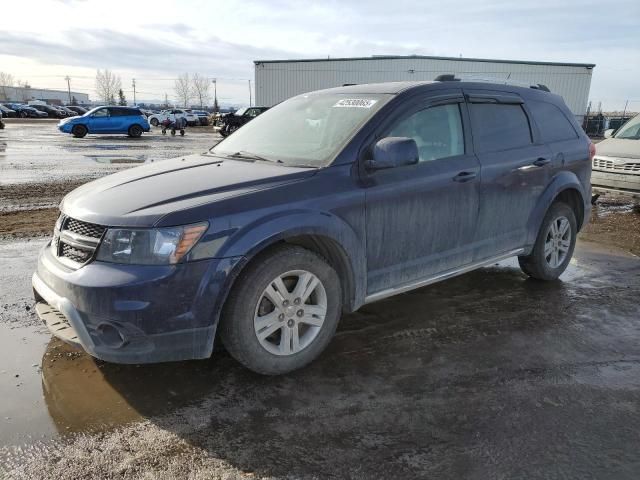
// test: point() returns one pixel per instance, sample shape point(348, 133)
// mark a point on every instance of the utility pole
point(166, 101)
point(133, 84)
point(68, 79)
point(215, 94)
point(625, 109)
point(249, 92)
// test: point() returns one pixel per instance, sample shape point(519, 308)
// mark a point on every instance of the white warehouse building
point(277, 80)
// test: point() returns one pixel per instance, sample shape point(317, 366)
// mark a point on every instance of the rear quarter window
point(552, 122)
point(499, 127)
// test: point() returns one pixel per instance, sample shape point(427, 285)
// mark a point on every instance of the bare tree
point(184, 90)
point(107, 86)
point(201, 89)
point(6, 80)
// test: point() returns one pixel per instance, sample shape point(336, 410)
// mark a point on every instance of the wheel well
point(573, 198)
point(335, 255)
point(328, 249)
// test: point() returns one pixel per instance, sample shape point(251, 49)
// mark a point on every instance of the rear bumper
point(133, 314)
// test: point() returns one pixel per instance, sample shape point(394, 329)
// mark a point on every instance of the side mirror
point(391, 152)
point(609, 133)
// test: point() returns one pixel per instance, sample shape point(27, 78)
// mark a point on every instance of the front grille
point(611, 165)
point(75, 242)
point(75, 254)
point(83, 228)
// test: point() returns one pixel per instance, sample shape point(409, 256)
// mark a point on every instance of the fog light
point(110, 336)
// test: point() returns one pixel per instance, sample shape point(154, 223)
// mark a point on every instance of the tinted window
point(499, 127)
point(118, 112)
point(552, 123)
point(436, 130)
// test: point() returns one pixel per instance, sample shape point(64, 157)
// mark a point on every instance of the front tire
point(154, 122)
point(282, 311)
point(135, 131)
point(554, 245)
point(79, 131)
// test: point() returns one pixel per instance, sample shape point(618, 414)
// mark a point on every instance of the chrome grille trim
point(618, 165)
point(75, 242)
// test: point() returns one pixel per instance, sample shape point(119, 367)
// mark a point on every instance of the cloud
point(106, 48)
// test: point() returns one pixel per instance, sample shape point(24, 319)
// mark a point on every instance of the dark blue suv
point(327, 201)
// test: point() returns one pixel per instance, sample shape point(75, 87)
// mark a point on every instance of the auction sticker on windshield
point(355, 103)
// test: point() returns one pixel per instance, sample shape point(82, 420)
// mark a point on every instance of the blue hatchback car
point(107, 120)
point(328, 201)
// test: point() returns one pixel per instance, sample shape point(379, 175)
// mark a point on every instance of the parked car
point(1, 122)
point(326, 202)
point(616, 166)
point(79, 110)
point(233, 121)
point(25, 111)
point(203, 117)
point(106, 120)
point(68, 111)
point(171, 115)
point(52, 112)
point(7, 112)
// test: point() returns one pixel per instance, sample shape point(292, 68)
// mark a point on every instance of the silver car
point(616, 165)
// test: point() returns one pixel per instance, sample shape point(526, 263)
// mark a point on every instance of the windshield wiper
point(252, 156)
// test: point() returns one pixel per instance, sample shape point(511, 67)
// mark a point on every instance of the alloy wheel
point(290, 312)
point(557, 242)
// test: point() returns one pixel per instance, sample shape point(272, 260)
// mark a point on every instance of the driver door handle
point(465, 177)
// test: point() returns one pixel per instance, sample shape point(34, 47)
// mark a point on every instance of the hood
point(619, 147)
point(142, 196)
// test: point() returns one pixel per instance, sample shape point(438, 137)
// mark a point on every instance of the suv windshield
point(630, 130)
point(307, 130)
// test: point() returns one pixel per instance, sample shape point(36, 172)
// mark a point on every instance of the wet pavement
point(36, 152)
point(488, 375)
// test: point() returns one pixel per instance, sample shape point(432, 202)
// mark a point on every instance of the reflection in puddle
point(118, 159)
point(83, 394)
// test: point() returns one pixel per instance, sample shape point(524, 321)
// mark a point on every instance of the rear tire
point(554, 245)
point(277, 336)
point(154, 122)
point(79, 131)
point(135, 131)
point(23, 114)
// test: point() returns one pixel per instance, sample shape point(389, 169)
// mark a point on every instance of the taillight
point(592, 151)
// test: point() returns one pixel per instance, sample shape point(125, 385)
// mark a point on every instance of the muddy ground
point(488, 375)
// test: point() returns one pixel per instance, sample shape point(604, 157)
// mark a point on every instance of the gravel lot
point(488, 375)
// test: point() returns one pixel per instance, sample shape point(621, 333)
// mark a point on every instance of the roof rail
point(450, 77)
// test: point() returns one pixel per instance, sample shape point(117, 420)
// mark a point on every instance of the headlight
point(152, 246)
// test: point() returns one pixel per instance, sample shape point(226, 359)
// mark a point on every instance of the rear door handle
point(541, 162)
point(465, 177)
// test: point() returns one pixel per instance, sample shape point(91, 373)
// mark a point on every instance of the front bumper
point(133, 313)
point(615, 184)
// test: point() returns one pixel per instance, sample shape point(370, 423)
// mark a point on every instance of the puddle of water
point(111, 159)
point(23, 412)
point(49, 389)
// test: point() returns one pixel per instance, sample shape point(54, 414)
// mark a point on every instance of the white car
point(158, 118)
point(616, 165)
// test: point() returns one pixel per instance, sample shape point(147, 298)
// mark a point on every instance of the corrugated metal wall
point(277, 81)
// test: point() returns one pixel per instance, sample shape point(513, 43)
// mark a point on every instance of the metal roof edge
point(426, 57)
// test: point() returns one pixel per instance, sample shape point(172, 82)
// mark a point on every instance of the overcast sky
point(154, 41)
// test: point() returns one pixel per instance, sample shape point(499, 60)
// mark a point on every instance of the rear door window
point(499, 127)
point(553, 124)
